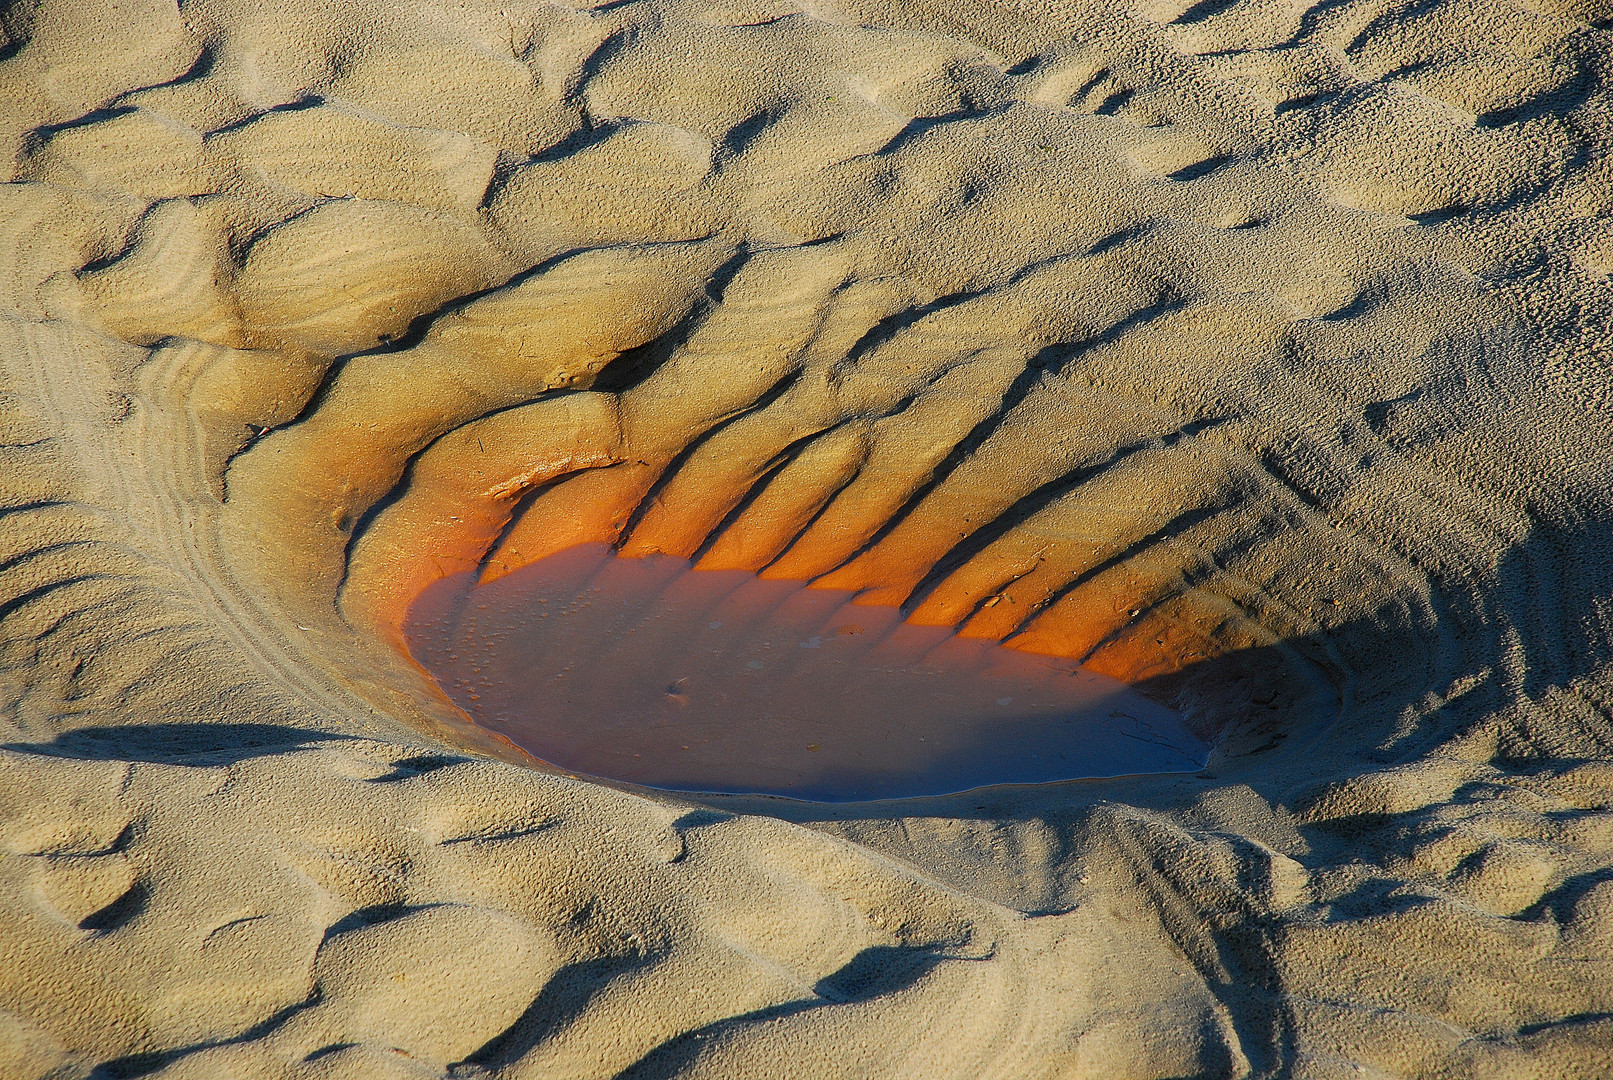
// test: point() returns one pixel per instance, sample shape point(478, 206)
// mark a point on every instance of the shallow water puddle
point(649, 671)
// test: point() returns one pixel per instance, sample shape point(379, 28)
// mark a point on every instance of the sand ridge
point(1253, 353)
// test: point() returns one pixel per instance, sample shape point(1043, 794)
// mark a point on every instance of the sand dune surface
point(1257, 355)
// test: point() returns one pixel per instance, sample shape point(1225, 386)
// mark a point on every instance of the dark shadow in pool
point(649, 672)
point(1328, 723)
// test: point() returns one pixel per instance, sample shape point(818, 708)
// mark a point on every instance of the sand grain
point(1253, 353)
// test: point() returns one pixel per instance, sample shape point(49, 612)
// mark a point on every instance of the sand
point(1254, 354)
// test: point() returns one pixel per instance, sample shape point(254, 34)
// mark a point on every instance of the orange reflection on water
point(649, 671)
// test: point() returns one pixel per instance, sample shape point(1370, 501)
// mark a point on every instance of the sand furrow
point(1255, 353)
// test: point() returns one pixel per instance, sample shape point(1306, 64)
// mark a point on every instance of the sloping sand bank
point(1256, 354)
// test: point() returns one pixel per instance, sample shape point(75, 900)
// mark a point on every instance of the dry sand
point(1259, 354)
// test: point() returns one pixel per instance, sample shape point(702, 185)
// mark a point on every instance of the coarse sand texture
point(1257, 356)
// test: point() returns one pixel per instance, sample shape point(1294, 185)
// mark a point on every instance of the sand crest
point(1255, 355)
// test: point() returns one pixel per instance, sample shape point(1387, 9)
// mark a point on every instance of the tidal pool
point(649, 671)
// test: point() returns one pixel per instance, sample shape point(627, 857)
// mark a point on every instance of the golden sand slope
point(1256, 353)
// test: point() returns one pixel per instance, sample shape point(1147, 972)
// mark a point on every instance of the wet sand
point(1254, 356)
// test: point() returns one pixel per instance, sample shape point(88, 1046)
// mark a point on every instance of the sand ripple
point(1255, 354)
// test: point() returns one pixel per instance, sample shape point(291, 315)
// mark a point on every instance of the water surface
point(649, 671)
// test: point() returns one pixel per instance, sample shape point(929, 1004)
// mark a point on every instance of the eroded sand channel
point(649, 671)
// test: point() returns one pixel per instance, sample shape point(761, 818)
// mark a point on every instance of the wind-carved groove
point(919, 126)
point(120, 912)
point(1036, 369)
point(36, 507)
point(1303, 101)
point(1284, 479)
point(593, 132)
point(400, 490)
point(814, 517)
point(891, 325)
point(1035, 501)
point(1002, 586)
point(1017, 391)
point(311, 100)
point(669, 473)
point(1204, 9)
point(739, 137)
point(1191, 577)
point(637, 364)
point(125, 245)
point(1093, 82)
point(1165, 305)
point(1200, 169)
point(32, 444)
point(716, 288)
point(632, 366)
point(421, 325)
point(40, 592)
point(1120, 236)
point(1180, 523)
point(755, 491)
point(576, 86)
point(40, 136)
point(520, 507)
point(1116, 101)
point(32, 554)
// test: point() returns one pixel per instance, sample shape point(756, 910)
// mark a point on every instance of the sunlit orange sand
point(648, 671)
